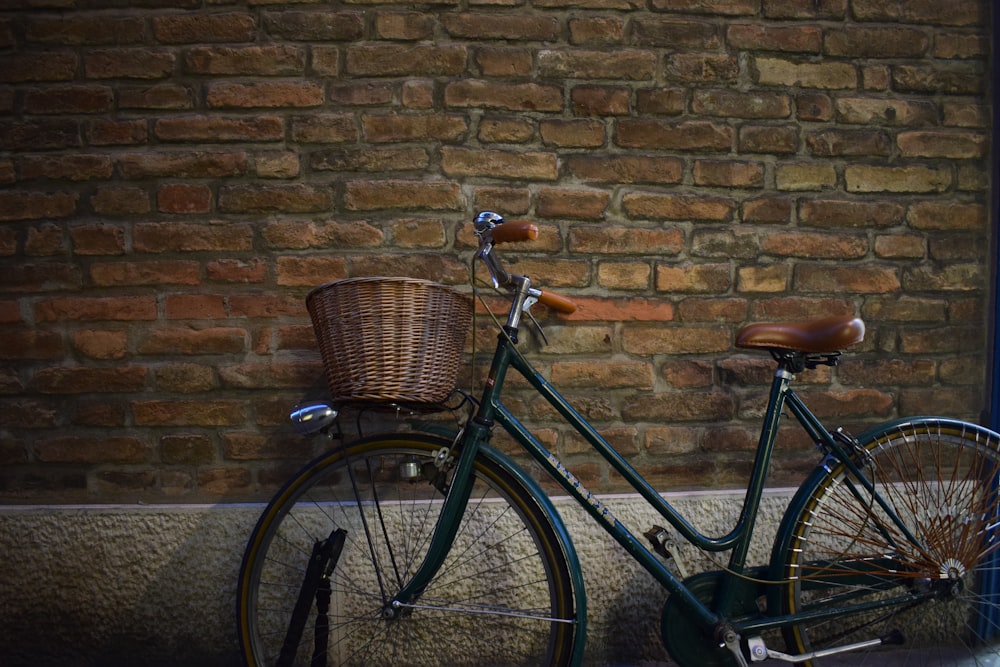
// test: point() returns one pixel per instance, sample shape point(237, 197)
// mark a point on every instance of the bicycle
point(412, 548)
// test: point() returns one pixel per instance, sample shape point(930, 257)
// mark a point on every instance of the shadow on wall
point(122, 586)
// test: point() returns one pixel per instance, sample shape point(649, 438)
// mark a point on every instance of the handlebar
point(492, 229)
point(511, 232)
point(556, 302)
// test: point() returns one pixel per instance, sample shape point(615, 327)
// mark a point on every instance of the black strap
point(319, 567)
point(322, 628)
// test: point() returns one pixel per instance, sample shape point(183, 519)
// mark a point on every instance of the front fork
point(455, 502)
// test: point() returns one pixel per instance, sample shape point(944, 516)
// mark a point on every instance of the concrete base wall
point(155, 585)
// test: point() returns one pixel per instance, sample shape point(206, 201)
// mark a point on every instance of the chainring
point(690, 644)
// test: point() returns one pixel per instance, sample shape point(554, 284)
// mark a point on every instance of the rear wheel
point(366, 513)
point(940, 478)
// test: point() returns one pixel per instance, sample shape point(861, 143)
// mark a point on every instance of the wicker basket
point(396, 340)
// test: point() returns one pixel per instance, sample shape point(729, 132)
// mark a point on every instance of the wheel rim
point(493, 599)
point(941, 481)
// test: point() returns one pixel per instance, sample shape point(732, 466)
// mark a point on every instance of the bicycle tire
point(940, 477)
point(502, 597)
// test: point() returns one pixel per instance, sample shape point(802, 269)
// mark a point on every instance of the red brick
point(678, 207)
point(739, 104)
point(162, 96)
point(376, 195)
point(68, 100)
point(947, 216)
point(93, 309)
point(185, 378)
point(506, 130)
point(98, 344)
point(581, 133)
point(224, 481)
point(183, 164)
point(184, 198)
point(661, 101)
point(211, 413)
point(44, 239)
point(698, 278)
point(79, 167)
point(686, 406)
point(273, 374)
point(688, 135)
point(876, 42)
point(324, 128)
point(28, 205)
point(920, 11)
point(237, 271)
point(215, 129)
point(34, 66)
point(204, 27)
point(264, 94)
point(572, 203)
point(729, 173)
point(499, 62)
point(677, 33)
point(71, 380)
point(696, 68)
point(290, 198)
point(32, 344)
point(212, 340)
point(625, 168)
point(195, 306)
point(494, 26)
point(605, 240)
point(316, 26)
point(310, 271)
point(792, 38)
point(10, 312)
point(169, 237)
point(853, 280)
point(41, 276)
point(600, 100)
point(413, 127)
point(802, 244)
point(405, 60)
point(620, 64)
point(128, 63)
point(79, 30)
point(39, 135)
point(187, 450)
point(403, 25)
point(105, 132)
point(95, 449)
point(510, 96)
point(97, 239)
point(115, 200)
point(164, 272)
point(768, 139)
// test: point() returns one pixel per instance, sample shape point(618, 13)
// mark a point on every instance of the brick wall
point(176, 174)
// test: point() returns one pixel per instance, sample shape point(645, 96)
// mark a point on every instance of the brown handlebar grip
point(515, 231)
point(556, 302)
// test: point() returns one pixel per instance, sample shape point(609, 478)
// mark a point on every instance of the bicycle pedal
point(666, 546)
point(658, 537)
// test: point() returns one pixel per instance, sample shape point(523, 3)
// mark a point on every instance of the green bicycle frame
point(493, 411)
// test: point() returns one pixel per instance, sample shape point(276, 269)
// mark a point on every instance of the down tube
point(602, 514)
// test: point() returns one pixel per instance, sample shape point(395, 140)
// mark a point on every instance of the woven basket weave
point(390, 339)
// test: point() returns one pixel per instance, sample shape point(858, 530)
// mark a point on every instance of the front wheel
point(348, 532)
point(933, 571)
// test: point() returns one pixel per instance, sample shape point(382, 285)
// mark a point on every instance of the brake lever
point(526, 309)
